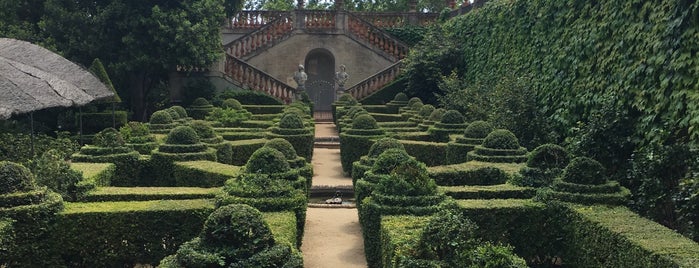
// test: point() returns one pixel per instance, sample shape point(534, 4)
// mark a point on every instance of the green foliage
point(243, 149)
point(446, 236)
point(249, 97)
point(232, 104)
point(200, 102)
point(228, 117)
point(452, 117)
point(97, 69)
point(364, 121)
point(400, 97)
point(161, 117)
point(584, 170)
point(183, 135)
point(501, 139)
point(389, 160)
point(180, 111)
point(54, 172)
point(291, 120)
point(409, 34)
point(426, 110)
point(413, 100)
point(240, 227)
point(15, 178)
point(136, 132)
point(478, 130)
point(489, 255)
point(430, 153)
point(282, 146)
point(174, 114)
point(203, 129)
point(381, 145)
point(267, 160)
point(548, 156)
point(108, 138)
point(437, 114)
point(409, 178)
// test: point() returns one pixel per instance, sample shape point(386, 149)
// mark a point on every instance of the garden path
point(333, 236)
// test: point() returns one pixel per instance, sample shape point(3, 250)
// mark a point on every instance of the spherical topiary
point(409, 178)
point(291, 121)
point(416, 106)
point(354, 110)
point(173, 113)
point(389, 160)
point(584, 170)
point(384, 144)
point(203, 128)
point(426, 110)
point(452, 117)
point(15, 178)
point(182, 135)
point(267, 160)
point(161, 117)
point(400, 97)
point(437, 115)
point(296, 110)
point(200, 102)
point(364, 121)
point(108, 137)
point(501, 139)
point(478, 130)
point(413, 100)
point(283, 146)
point(180, 111)
point(238, 227)
point(232, 104)
point(548, 156)
point(348, 99)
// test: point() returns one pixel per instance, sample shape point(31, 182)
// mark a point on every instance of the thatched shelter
point(33, 78)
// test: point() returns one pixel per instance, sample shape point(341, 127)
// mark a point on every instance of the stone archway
point(320, 86)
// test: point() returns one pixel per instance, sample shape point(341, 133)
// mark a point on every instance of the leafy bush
point(203, 128)
point(447, 235)
point(250, 97)
point(17, 147)
point(387, 161)
point(267, 160)
point(136, 132)
point(549, 156)
point(108, 138)
point(382, 145)
point(227, 117)
point(584, 170)
point(282, 146)
point(180, 111)
point(182, 135)
point(426, 110)
point(437, 114)
point(478, 130)
point(416, 106)
point(54, 172)
point(174, 114)
point(488, 255)
point(452, 117)
point(400, 97)
point(232, 104)
point(291, 121)
point(501, 139)
point(364, 121)
point(413, 100)
point(200, 102)
point(409, 178)
point(239, 226)
point(161, 117)
point(15, 178)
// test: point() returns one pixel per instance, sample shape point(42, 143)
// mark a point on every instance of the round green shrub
point(297, 111)
point(161, 117)
point(354, 110)
point(283, 146)
point(501, 139)
point(15, 178)
point(400, 97)
point(55, 173)
point(416, 106)
point(584, 170)
point(364, 121)
point(267, 160)
point(548, 156)
point(426, 110)
point(108, 137)
point(409, 178)
point(173, 113)
point(238, 228)
point(232, 104)
point(384, 144)
point(447, 235)
point(478, 130)
point(453, 117)
point(345, 97)
point(291, 121)
point(389, 160)
point(203, 128)
point(200, 102)
point(180, 111)
point(182, 135)
point(134, 129)
point(437, 115)
point(414, 100)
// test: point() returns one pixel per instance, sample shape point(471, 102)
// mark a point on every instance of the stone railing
point(363, 30)
point(266, 36)
point(386, 20)
point(375, 82)
point(319, 19)
point(255, 79)
point(253, 19)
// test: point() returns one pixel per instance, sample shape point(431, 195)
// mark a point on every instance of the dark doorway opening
point(320, 86)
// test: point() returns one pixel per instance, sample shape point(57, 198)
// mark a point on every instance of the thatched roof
point(34, 78)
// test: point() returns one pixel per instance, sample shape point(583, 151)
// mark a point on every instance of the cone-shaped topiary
point(426, 110)
point(389, 160)
point(548, 156)
point(452, 117)
point(478, 130)
point(501, 139)
point(364, 121)
point(180, 111)
point(15, 178)
point(108, 138)
point(161, 117)
point(232, 104)
point(282, 146)
point(203, 128)
point(384, 144)
point(182, 135)
point(267, 160)
point(291, 120)
point(584, 170)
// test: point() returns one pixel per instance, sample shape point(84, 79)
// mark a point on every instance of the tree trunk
point(139, 88)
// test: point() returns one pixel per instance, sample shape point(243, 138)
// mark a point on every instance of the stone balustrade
point(256, 79)
point(375, 82)
point(267, 35)
point(376, 37)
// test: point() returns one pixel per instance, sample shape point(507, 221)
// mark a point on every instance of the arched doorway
point(320, 86)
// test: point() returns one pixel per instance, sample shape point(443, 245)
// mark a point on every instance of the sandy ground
point(333, 236)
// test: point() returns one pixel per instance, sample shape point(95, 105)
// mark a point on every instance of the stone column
point(412, 10)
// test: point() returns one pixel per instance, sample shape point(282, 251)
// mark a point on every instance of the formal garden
point(521, 134)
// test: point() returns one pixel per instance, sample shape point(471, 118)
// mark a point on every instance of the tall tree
point(139, 41)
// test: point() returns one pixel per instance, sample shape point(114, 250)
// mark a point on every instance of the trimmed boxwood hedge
point(500, 191)
point(243, 149)
point(474, 173)
point(431, 153)
point(353, 147)
point(264, 109)
point(105, 194)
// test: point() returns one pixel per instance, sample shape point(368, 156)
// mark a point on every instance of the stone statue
point(341, 78)
point(300, 77)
